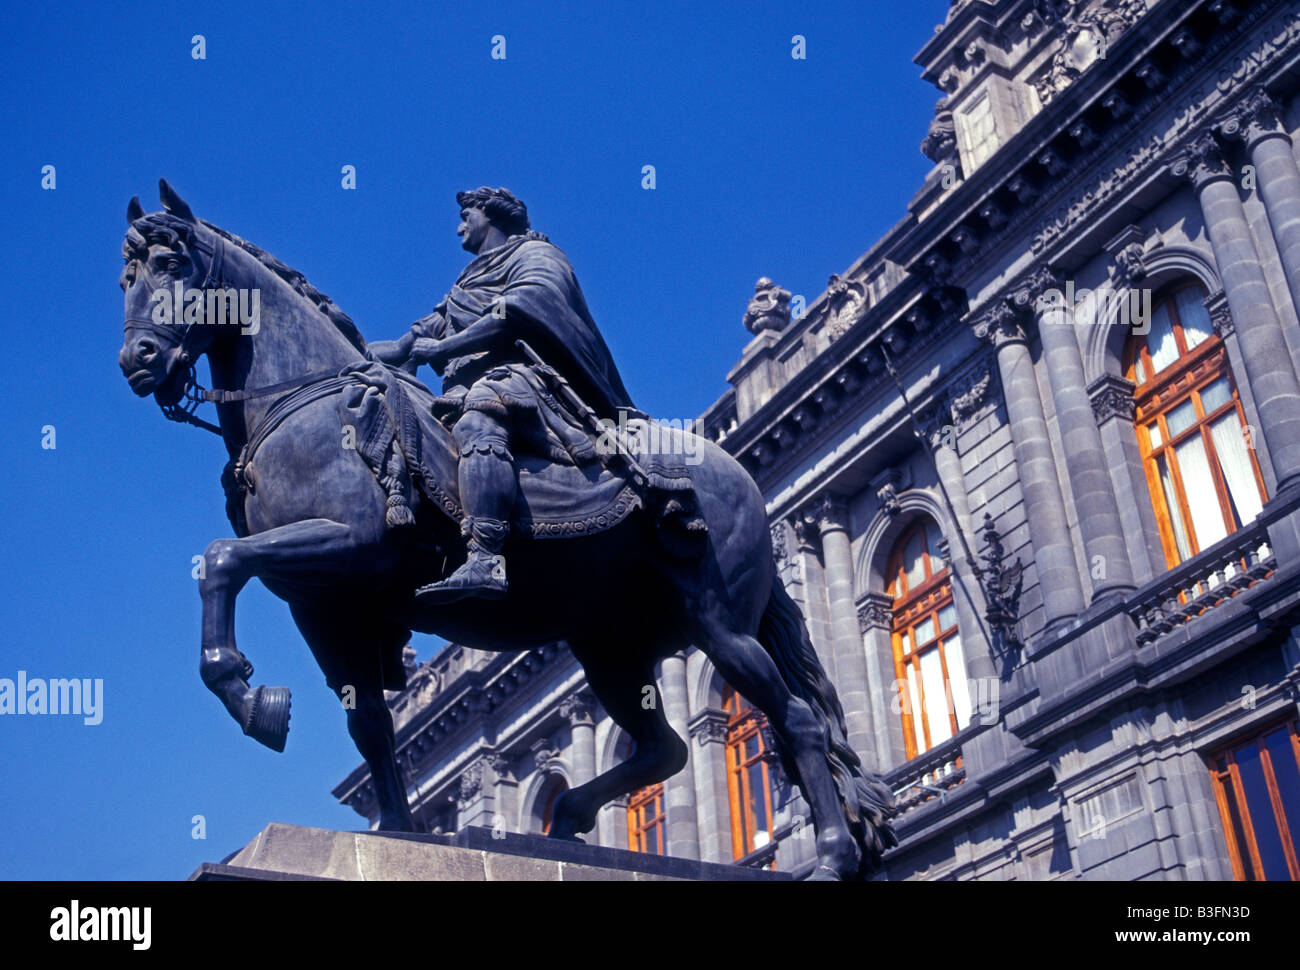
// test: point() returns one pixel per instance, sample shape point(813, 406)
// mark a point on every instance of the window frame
point(744, 721)
point(1234, 789)
point(640, 827)
point(909, 609)
point(1183, 380)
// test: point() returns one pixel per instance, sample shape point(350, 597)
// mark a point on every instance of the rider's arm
point(394, 352)
point(488, 332)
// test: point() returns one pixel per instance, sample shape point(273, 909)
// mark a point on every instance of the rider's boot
point(487, 482)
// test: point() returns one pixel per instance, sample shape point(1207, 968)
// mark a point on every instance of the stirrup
point(463, 582)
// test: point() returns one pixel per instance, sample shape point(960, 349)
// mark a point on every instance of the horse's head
point(168, 255)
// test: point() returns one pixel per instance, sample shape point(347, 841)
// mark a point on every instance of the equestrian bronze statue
point(530, 502)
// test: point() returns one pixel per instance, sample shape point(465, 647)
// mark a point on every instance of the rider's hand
point(427, 350)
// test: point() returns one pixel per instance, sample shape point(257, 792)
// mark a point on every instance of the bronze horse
point(312, 525)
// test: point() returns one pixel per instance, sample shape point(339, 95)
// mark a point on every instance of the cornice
point(1111, 105)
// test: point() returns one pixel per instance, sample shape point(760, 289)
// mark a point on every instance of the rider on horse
point(496, 400)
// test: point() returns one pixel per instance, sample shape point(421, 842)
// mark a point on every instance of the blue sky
point(765, 165)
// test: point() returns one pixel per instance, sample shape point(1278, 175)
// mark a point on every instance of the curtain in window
point(1202, 497)
point(1234, 459)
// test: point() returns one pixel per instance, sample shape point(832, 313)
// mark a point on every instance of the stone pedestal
point(294, 852)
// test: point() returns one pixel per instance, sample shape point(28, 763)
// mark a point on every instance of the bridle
point(193, 393)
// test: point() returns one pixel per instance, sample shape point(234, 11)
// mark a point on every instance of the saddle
point(410, 451)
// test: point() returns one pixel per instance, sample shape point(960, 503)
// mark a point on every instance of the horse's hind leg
point(349, 648)
point(314, 548)
point(746, 666)
point(619, 683)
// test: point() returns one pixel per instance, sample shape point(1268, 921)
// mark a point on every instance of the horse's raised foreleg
point(619, 683)
point(301, 550)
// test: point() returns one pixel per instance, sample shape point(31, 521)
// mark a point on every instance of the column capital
point(876, 612)
point(1111, 396)
point(577, 709)
point(999, 325)
point(828, 512)
point(1201, 160)
point(708, 727)
point(1038, 291)
point(1257, 116)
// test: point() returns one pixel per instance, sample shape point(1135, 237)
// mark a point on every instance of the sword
point(561, 388)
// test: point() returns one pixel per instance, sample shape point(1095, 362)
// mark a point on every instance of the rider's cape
point(545, 306)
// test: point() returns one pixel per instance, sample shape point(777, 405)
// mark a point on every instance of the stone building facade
point(1032, 465)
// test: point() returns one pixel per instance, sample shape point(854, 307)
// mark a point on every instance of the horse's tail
point(867, 801)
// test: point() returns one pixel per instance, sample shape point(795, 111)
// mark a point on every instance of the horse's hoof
point(571, 837)
point(269, 719)
point(823, 874)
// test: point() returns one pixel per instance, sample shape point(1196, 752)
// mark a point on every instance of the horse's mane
point(166, 228)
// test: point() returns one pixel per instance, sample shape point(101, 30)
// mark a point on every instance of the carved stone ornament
point(576, 709)
point(970, 395)
point(875, 612)
point(707, 726)
point(471, 783)
point(1038, 291)
point(769, 309)
point(1257, 116)
point(1201, 160)
point(845, 299)
point(1085, 36)
point(544, 755)
point(1111, 397)
point(1130, 265)
point(999, 324)
point(1220, 316)
point(940, 143)
point(780, 551)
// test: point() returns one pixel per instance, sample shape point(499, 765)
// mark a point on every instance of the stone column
point(967, 596)
point(683, 835)
point(1113, 409)
point(1259, 331)
point(812, 587)
point(1054, 562)
point(1257, 121)
point(708, 731)
point(853, 680)
point(1085, 461)
point(577, 709)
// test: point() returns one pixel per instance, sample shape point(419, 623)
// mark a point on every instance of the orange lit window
point(749, 779)
point(1196, 448)
point(558, 788)
point(928, 659)
point(645, 820)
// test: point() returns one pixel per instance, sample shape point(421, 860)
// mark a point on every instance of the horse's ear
point(134, 210)
point(172, 202)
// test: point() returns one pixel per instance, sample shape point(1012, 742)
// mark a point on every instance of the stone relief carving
point(845, 299)
point(1086, 34)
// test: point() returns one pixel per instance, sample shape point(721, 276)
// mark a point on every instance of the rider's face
point(473, 231)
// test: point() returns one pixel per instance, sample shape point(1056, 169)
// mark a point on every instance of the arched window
point(646, 820)
point(749, 778)
point(1201, 469)
point(928, 659)
point(556, 787)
